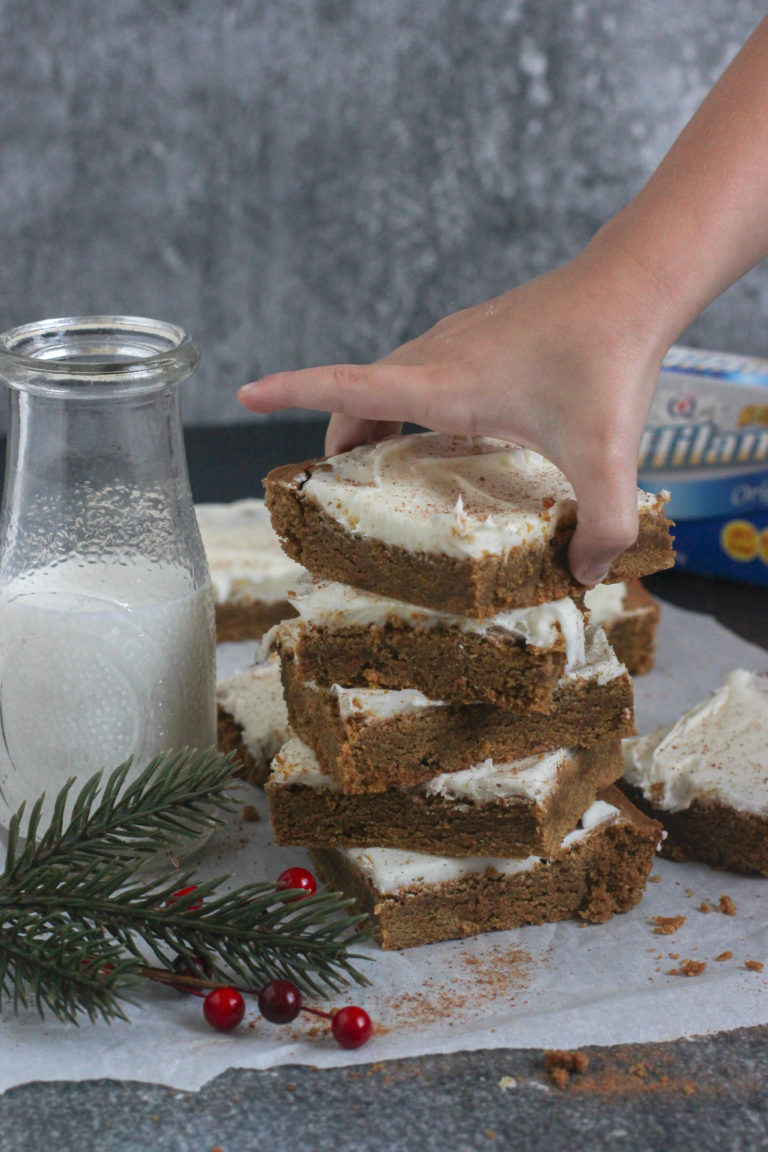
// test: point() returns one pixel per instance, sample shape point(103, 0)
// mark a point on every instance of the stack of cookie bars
point(457, 722)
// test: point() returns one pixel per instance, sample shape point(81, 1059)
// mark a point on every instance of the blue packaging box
point(706, 443)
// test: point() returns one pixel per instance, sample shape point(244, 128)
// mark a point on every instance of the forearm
point(701, 221)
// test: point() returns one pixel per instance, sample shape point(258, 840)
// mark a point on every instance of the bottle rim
point(71, 354)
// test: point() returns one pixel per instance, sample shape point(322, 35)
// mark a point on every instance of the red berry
point(351, 1027)
point(184, 892)
point(280, 1002)
point(298, 879)
point(224, 1008)
point(191, 966)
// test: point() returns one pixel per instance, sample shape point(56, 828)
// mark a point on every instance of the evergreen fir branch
point(68, 972)
point(179, 795)
point(255, 933)
point(76, 925)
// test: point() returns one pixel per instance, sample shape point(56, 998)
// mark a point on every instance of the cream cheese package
point(706, 442)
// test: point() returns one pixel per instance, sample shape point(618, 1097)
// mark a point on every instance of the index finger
point(368, 391)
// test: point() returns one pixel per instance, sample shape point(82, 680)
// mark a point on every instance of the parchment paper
point(563, 985)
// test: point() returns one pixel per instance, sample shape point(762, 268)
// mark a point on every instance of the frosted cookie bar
point(467, 526)
point(367, 739)
point(629, 616)
point(250, 572)
point(252, 719)
point(706, 777)
point(414, 898)
point(489, 809)
point(513, 659)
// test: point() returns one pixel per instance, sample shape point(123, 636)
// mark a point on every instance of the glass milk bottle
point(106, 612)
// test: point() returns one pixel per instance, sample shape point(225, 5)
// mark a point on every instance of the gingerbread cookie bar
point(490, 809)
point(706, 777)
point(368, 739)
point(252, 719)
point(414, 898)
point(629, 616)
point(250, 572)
point(514, 659)
point(467, 526)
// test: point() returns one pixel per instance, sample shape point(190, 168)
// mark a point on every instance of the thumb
point(607, 519)
point(345, 432)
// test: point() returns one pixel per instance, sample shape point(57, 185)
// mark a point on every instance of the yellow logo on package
point(754, 414)
point(740, 540)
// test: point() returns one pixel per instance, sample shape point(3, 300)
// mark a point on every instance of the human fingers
point(345, 432)
point(372, 392)
point(606, 525)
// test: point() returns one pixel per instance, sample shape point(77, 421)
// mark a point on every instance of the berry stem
point(164, 976)
point(317, 1012)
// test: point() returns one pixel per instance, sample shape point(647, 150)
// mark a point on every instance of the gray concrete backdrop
point(303, 181)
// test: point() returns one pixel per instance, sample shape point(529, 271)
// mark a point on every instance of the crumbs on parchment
point(666, 925)
point(726, 906)
point(688, 968)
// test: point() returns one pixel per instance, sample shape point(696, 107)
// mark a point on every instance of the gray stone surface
point(691, 1096)
point(301, 181)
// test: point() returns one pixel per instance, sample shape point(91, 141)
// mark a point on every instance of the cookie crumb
point(704, 907)
point(655, 879)
point(754, 965)
point(562, 1064)
point(251, 814)
point(689, 891)
point(726, 906)
point(688, 968)
point(666, 925)
point(725, 956)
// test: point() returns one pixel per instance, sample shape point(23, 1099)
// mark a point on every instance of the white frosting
point(600, 661)
point(533, 778)
point(605, 602)
point(296, 763)
point(244, 554)
point(329, 604)
point(380, 703)
point(715, 752)
point(254, 699)
point(452, 495)
point(598, 813)
point(394, 869)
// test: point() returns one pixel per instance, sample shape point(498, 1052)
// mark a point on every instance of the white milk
point(98, 662)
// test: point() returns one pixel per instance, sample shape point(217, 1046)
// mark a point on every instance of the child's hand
point(565, 364)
